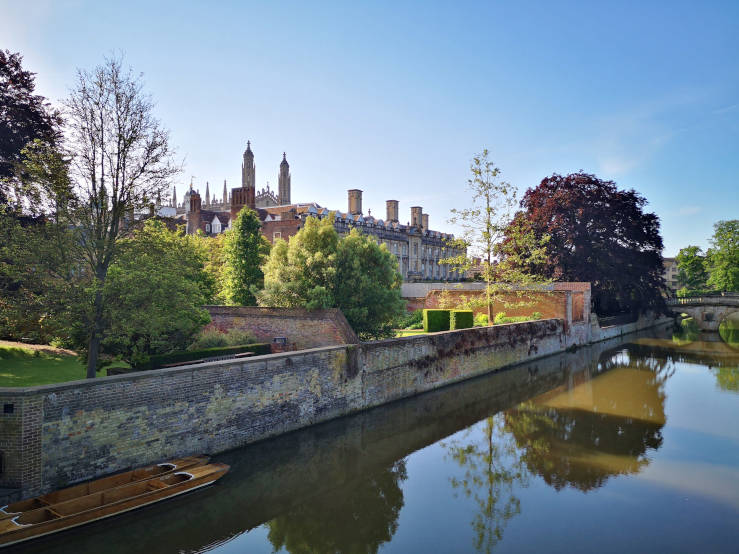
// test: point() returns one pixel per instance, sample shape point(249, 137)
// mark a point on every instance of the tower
point(225, 193)
point(248, 180)
point(283, 182)
point(355, 202)
point(174, 196)
point(207, 193)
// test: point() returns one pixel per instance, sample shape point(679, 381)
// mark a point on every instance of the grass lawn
point(409, 332)
point(22, 367)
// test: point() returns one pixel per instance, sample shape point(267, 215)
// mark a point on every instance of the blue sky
point(395, 97)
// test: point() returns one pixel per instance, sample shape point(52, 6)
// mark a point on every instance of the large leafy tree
point(600, 234)
point(317, 269)
point(24, 117)
point(244, 251)
point(691, 269)
point(723, 256)
point(154, 294)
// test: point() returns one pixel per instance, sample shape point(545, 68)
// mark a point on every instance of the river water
point(629, 445)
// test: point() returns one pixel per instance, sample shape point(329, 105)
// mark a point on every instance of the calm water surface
point(624, 446)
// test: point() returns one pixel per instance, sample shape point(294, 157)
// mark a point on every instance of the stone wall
point(61, 434)
point(302, 328)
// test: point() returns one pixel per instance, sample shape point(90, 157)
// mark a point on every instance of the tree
point(367, 288)
point(154, 294)
point(723, 256)
point(691, 269)
point(484, 225)
point(318, 270)
point(121, 160)
point(244, 252)
point(598, 234)
point(24, 117)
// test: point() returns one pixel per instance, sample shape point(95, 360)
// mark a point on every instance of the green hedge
point(159, 360)
point(461, 319)
point(435, 320)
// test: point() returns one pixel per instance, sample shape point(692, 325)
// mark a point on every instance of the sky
point(394, 98)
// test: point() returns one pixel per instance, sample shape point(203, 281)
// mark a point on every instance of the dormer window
point(216, 225)
point(207, 227)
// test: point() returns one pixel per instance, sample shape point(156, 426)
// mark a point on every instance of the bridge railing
point(730, 299)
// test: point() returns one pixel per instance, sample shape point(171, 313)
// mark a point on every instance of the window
point(276, 235)
point(216, 225)
point(207, 227)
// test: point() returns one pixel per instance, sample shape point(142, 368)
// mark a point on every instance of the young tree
point(121, 159)
point(723, 256)
point(601, 235)
point(691, 269)
point(484, 225)
point(154, 294)
point(244, 252)
point(24, 117)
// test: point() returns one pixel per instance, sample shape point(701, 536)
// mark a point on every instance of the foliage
point(686, 331)
point(25, 117)
point(481, 320)
point(159, 360)
point(154, 293)
point(211, 338)
point(367, 287)
point(501, 318)
point(504, 265)
point(691, 270)
point(723, 256)
point(435, 320)
point(728, 329)
point(318, 270)
point(598, 234)
point(121, 159)
point(20, 367)
point(212, 251)
point(461, 319)
point(410, 320)
point(244, 252)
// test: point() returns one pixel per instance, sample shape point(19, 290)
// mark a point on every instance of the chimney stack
point(425, 221)
point(355, 202)
point(416, 216)
point(392, 210)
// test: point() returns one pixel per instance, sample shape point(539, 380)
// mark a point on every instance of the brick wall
point(61, 434)
point(551, 304)
point(303, 328)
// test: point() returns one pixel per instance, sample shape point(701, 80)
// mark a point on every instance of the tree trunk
point(93, 351)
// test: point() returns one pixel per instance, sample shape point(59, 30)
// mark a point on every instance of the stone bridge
point(707, 311)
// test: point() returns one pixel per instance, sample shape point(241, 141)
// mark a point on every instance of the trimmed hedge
point(159, 360)
point(435, 320)
point(461, 319)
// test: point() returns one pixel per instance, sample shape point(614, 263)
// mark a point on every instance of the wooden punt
point(101, 484)
point(98, 505)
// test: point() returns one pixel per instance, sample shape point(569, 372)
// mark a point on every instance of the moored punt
point(104, 483)
point(92, 507)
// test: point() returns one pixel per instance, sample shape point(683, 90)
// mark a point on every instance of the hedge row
point(461, 319)
point(159, 360)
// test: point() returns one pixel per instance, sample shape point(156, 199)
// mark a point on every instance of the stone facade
point(302, 328)
point(59, 434)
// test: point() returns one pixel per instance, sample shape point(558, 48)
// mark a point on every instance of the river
point(628, 445)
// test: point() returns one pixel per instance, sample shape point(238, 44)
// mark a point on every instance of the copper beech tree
point(599, 234)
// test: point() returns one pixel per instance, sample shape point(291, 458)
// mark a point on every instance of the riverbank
point(59, 434)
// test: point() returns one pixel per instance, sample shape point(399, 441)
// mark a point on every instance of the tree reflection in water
point(492, 472)
point(356, 518)
point(578, 435)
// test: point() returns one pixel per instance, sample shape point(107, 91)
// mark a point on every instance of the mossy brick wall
point(302, 328)
point(60, 434)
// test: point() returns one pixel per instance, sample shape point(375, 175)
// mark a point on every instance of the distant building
point(670, 273)
point(417, 248)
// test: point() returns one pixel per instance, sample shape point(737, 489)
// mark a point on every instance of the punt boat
point(100, 504)
point(101, 484)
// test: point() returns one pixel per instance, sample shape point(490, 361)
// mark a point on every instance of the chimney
point(392, 210)
point(416, 219)
point(355, 202)
point(425, 221)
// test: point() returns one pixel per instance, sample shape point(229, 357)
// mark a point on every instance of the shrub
point(481, 320)
point(435, 320)
point(499, 318)
point(209, 338)
point(461, 319)
point(410, 320)
point(236, 337)
point(159, 360)
point(537, 315)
